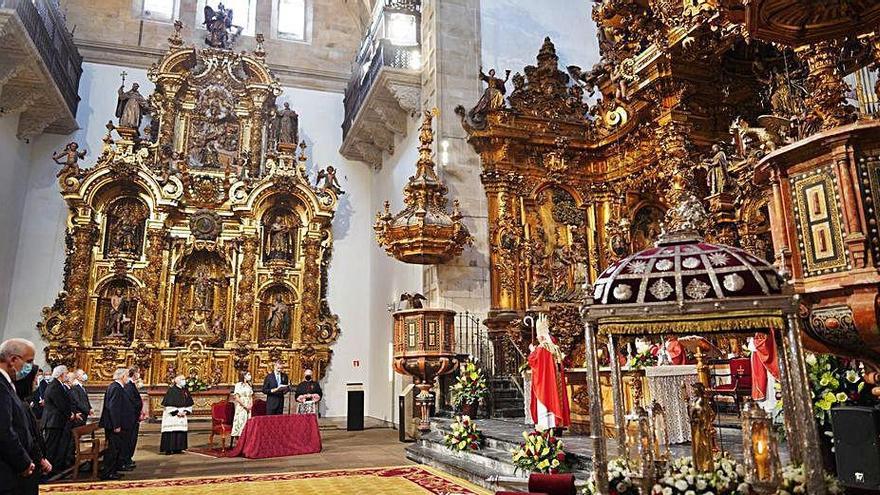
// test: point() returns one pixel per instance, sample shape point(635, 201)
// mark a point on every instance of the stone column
point(597, 433)
point(450, 33)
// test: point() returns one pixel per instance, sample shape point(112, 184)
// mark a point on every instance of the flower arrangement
point(682, 478)
point(833, 381)
point(642, 360)
point(471, 385)
point(196, 384)
point(465, 435)
point(541, 452)
point(620, 479)
point(794, 482)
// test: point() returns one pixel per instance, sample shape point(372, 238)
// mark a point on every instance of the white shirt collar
point(6, 375)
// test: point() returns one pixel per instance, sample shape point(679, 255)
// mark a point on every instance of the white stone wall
point(14, 171)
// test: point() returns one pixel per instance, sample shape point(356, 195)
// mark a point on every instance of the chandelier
point(424, 232)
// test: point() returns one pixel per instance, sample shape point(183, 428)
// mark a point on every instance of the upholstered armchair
point(221, 422)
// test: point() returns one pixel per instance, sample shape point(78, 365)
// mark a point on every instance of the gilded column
point(244, 306)
point(311, 292)
point(795, 440)
point(617, 394)
point(148, 327)
point(825, 85)
point(84, 238)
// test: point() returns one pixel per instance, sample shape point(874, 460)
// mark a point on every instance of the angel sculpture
point(414, 301)
point(69, 158)
point(330, 180)
point(221, 32)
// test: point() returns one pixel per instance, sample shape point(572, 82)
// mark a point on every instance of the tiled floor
point(373, 447)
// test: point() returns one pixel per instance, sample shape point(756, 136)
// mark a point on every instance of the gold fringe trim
point(705, 324)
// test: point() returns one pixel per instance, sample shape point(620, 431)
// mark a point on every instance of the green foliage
point(833, 381)
point(541, 452)
point(471, 385)
point(196, 384)
point(465, 435)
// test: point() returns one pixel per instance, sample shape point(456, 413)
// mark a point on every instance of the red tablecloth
point(278, 436)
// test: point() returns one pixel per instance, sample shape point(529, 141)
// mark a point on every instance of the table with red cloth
point(278, 436)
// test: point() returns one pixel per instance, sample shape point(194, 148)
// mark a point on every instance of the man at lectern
point(275, 386)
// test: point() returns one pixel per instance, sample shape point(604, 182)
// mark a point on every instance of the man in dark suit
point(21, 454)
point(58, 417)
point(80, 398)
point(275, 386)
point(39, 393)
point(113, 417)
point(133, 418)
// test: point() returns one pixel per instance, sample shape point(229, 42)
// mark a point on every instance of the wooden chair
point(740, 385)
point(88, 448)
point(221, 422)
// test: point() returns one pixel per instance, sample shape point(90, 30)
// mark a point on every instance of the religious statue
point(117, 318)
point(202, 291)
point(131, 106)
point(701, 417)
point(288, 125)
point(221, 32)
point(716, 168)
point(280, 239)
point(125, 238)
point(278, 322)
point(330, 181)
point(69, 158)
point(217, 326)
point(493, 96)
point(272, 128)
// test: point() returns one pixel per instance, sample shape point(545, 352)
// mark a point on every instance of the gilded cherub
point(69, 158)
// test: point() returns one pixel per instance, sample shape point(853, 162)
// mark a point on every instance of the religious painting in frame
point(817, 213)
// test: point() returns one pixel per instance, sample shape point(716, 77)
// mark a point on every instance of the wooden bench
point(88, 448)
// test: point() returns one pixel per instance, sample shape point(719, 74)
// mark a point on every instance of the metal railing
point(45, 24)
point(472, 340)
point(373, 55)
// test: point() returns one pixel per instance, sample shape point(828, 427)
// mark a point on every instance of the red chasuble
point(548, 386)
point(763, 361)
point(676, 352)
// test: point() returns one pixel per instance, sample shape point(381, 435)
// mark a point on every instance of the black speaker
point(355, 406)
point(857, 446)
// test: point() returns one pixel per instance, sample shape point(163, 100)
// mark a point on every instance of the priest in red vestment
point(675, 350)
point(549, 405)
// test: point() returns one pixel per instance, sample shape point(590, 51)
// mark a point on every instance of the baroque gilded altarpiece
point(197, 245)
point(683, 97)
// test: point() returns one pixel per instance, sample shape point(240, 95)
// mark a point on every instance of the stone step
point(461, 467)
point(507, 394)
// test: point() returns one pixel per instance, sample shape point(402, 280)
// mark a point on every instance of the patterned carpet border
point(435, 481)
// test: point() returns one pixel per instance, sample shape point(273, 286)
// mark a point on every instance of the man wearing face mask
point(113, 418)
point(308, 394)
point(178, 405)
point(21, 449)
point(275, 386)
point(81, 404)
point(37, 399)
point(58, 418)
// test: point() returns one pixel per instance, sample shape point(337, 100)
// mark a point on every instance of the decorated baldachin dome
point(683, 268)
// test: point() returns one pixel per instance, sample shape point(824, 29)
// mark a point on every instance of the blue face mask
point(24, 371)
